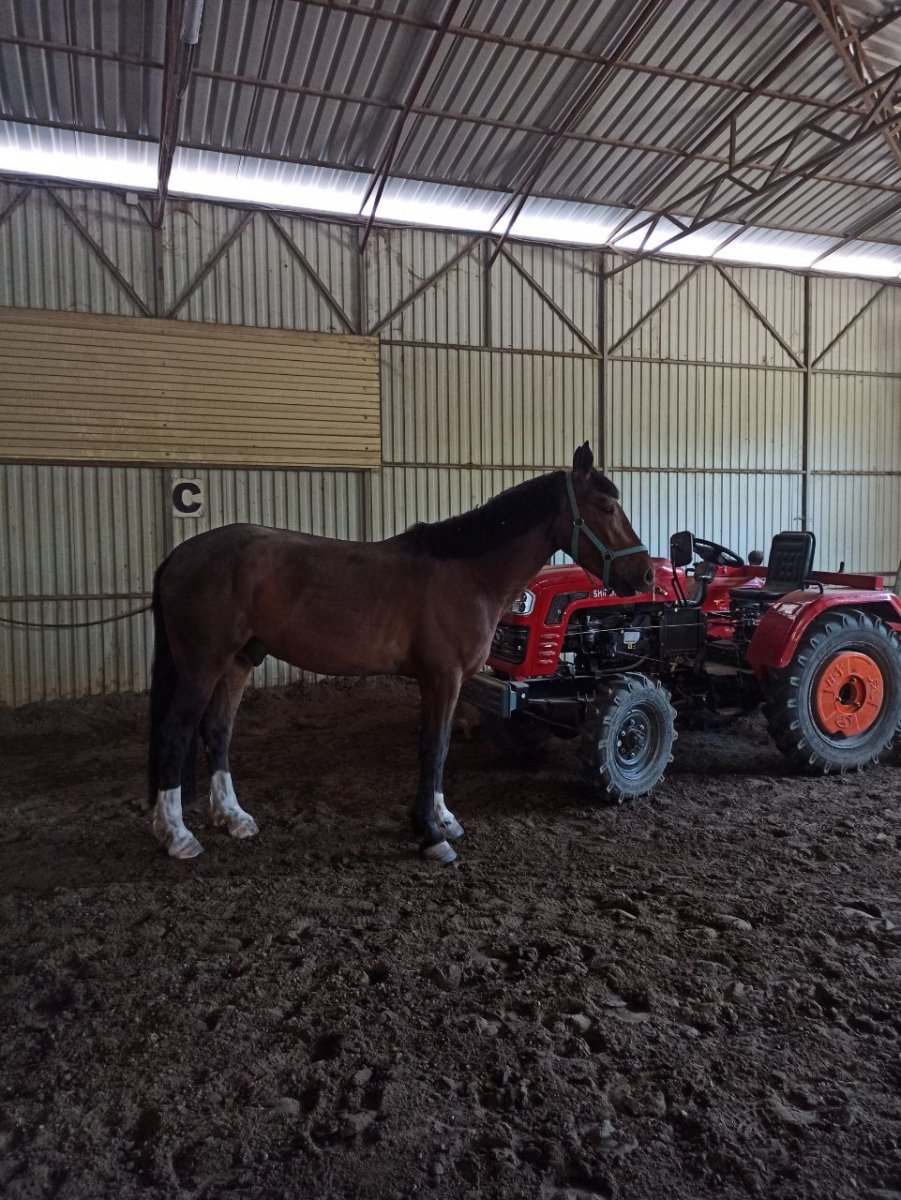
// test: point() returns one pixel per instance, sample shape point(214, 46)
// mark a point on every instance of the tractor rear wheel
point(628, 739)
point(836, 707)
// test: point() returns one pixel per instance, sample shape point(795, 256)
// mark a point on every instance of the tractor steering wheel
point(720, 556)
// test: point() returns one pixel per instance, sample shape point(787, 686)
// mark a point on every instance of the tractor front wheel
point(628, 739)
point(837, 706)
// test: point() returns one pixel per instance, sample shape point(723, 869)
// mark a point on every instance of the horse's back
point(242, 536)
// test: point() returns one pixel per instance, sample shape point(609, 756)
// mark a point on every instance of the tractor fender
point(783, 625)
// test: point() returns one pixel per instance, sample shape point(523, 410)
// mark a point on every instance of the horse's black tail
point(163, 680)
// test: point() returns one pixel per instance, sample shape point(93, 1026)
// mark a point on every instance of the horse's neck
point(505, 571)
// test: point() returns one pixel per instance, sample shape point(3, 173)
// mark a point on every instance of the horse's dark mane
point(506, 516)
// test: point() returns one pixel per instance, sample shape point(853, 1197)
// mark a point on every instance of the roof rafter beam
point(585, 99)
point(622, 64)
point(182, 34)
point(725, 125)
point(380, 176)
point(168, 106)
point(284, 158)
point(444, 114)
point(792, 138)
point(880, 23)
point(776, 187)
point(884, 214)
point(71, 127)
point(249, 207)
point(844, 37)
point(128, 60)
point(272, 156)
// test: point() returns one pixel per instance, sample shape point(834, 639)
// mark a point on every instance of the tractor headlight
point(523, 604)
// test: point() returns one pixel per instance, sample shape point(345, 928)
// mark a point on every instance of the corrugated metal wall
point(76, 544)
point(710, 396)
point(705, 400)
point(855, 422)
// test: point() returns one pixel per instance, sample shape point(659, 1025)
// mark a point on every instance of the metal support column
point(601, 449)
point(368, 479)
point(806, 378)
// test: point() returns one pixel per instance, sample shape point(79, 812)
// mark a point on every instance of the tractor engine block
point(606, 635)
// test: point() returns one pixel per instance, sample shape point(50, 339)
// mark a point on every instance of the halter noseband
point(608, 556)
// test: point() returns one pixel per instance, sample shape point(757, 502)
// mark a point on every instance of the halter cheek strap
point(580, 529)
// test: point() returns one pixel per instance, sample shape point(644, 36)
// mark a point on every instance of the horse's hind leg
point(432, 821)
point(216, 731)
point(176, 737)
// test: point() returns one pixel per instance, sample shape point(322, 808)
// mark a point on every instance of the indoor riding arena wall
point(736, 401)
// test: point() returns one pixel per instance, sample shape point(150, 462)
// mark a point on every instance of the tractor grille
point(510, 643)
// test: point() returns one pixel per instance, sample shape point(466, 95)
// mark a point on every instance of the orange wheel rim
point(848, 694)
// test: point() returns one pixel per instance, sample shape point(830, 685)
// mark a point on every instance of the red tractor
point(819, 650)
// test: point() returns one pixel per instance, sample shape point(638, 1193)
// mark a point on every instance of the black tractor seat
point(788, 567)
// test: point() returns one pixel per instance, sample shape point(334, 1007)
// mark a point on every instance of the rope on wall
point(74, 624)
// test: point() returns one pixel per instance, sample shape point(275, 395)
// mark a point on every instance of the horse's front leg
point(433, 824)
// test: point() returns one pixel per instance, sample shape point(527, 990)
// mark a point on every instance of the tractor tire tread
point(784, 690)
point(595, 754)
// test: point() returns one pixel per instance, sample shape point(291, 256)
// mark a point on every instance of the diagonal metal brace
point(311, 272)
point(749, 303)
point(550, 302)
point(101, 254)
point(850, 325)
point(426, 283)
point(655, 308)
point(193, 284)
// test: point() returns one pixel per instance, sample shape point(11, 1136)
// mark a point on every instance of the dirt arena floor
point(693, 996)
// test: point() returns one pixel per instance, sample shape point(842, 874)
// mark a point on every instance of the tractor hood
point(571, 579)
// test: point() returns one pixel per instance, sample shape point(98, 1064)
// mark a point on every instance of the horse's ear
point(583, 460)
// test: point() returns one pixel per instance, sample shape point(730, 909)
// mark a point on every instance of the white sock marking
point(225, 807)
point(446, 818)
point(169, 825)
point(442, 812)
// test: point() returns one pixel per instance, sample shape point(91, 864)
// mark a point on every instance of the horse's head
point(596, 531)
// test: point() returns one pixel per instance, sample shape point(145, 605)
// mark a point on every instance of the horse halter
point(580, 529)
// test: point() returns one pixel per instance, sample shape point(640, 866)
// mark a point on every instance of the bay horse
point(423, 604)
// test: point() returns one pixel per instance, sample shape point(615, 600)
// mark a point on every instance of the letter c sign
point(187, 498)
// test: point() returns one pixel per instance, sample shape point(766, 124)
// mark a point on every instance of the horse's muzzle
point(637, 576)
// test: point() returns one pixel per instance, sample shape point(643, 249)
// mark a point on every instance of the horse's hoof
point(186, 848)
point(453, 829)
point(243, 827)
point(440, 852)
